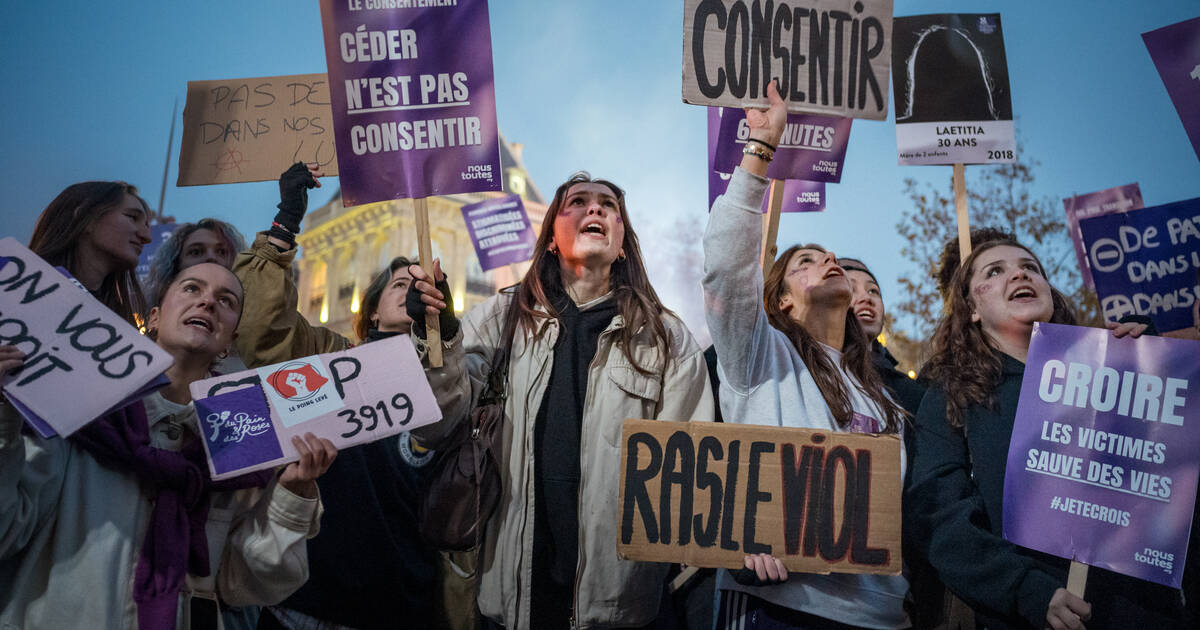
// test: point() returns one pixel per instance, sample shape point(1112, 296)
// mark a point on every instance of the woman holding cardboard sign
point(964, 428)
point(119, 526)
point(791, 353)
point(588, 344)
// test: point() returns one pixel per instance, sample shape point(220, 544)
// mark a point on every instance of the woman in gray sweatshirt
point(790, 353)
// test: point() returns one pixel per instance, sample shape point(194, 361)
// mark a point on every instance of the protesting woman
point(373, 491)
point(585, 343)
point(790, 354)
point(119, 526)
point(96, 231)
point(207, 240)
point(964, 428)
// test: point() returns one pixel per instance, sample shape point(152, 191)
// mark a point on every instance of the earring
point(621, 255)
point(553, 249)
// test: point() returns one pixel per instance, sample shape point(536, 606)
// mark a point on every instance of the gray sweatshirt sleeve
point(733, 282)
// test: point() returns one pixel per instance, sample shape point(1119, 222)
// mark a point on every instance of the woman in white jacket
point(790, 353)
point(119, 526)
point(591, 345)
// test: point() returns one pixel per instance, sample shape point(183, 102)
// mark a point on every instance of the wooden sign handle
point(771, 226)
point(960, 209)
point(683, 578)
point(1077, 578)
point(433, 328)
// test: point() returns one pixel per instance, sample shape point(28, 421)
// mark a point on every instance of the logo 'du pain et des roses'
point(297, 381)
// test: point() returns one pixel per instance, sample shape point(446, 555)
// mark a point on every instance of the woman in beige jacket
point(591, 345)
point(119, 526)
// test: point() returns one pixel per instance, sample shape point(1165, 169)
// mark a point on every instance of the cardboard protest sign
point(1176, 53)
point(1103, 462)
point(953, 102)
point(812, 148)
point(1145, 262)
point(706, 494)
point(798, 195)
point(351, 397)
point(1109, 201)
point(251, 130)
point(159, 233)
point(830, 56)
point(500, 231)
point(414, 102)
point(72, 343)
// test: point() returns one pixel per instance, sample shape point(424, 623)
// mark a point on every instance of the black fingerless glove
point(748, 577)
point(416, 310)
point(293, 201)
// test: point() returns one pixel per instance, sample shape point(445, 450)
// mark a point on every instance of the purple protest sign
point(237, 430)
point(1080, 207)
point(798, 195)
point(1144, 262)
point(413, 98)
point(1175, 50)
point(500, 231)
point(1103, 461)
point(812, 148)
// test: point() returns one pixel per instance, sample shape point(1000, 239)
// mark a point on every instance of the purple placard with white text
point(237, 430)
point(414, 103)
point(1097, 204)
point(798, 195)
point(1144, 262)
point(812, 148)
point(500, 231)
point(1175, 50)
point(1103, 461)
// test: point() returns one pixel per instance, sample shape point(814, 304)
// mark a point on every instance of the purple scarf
point(175, 542)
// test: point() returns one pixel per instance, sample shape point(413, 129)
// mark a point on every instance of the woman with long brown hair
point(588, 344)
point(963, 432)
point(790, 353)
point(96, 231)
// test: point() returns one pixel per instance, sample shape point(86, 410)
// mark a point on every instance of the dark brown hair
point(856, 358)
point(637, 303)
point(964, 364)
point(948, 261)
point(67, 219)
point(370, 301)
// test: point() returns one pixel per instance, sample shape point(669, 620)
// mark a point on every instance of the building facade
point(341, 249)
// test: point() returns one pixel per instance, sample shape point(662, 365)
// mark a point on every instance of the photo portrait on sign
point(953, 102)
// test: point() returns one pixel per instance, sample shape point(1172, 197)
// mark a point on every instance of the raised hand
point(767, 125)
point(294, 184)
point(427, 297)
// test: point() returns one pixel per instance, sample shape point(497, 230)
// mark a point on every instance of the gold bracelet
point(758, 151)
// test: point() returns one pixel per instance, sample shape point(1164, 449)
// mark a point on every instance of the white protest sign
point(360, 395)
point(81, 359)
point(831, 57)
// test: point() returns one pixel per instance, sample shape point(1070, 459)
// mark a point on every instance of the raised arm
point(467, 349)
point(271, 329)
point(733, 281)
